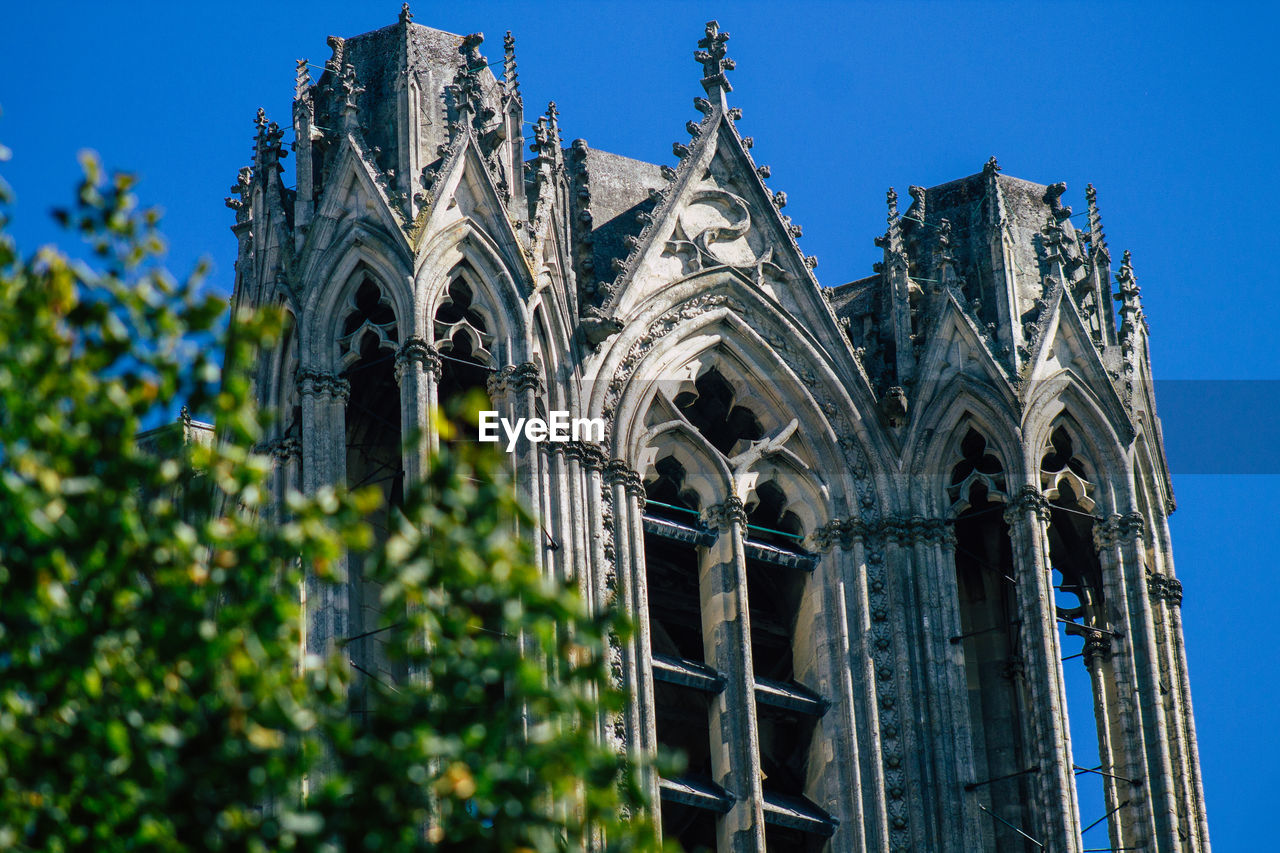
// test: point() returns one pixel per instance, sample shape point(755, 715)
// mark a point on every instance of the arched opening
point(373, 458)
point(777, 571)
point(462, 339)
point(1084, 635)
point(986, 589)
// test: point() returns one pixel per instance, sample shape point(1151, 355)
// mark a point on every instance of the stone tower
point(884, 541)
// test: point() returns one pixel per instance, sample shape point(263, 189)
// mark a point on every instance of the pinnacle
point(715, 62)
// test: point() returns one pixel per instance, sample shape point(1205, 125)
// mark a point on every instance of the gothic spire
point(715, 62)
point(405, 15)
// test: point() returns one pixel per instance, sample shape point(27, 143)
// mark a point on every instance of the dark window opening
point(785, 739)
point(667, 497)
point(675, 608)
point(769, 520)
point(784, 839)
point(712, 410)
point(773, 596)
point(692, 827)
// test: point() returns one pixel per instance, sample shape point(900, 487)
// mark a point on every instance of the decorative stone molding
point(590, 454)
point(281, 450)
point(419, 352)
point(323, 385)
point(1162, 587)
point(1110, 531)
point(724, 515)
point(1027, 499)
point(1097, 647)
point(618, 472)
point(901, 530)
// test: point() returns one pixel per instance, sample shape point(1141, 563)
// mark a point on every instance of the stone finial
point(1097, 239)
point(991, 168)
point(1129, 291)
point(405, 15)
point(301, 79)
point(892, 242)
point(260, 121)
point(510, 77)
point(242, 188)
point(715, 62)
point(917, 196)
point(351, 88)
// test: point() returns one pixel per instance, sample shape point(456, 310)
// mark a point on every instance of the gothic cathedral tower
point(898, 549)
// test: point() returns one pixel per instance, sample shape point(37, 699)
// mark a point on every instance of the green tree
point(153, 689)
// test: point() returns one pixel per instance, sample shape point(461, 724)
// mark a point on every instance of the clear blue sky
point(1170, 110)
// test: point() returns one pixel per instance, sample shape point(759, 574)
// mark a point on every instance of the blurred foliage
point(154, 691)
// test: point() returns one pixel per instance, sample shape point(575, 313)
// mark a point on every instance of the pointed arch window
point(463, 339)
point(989, 637)
point(678, 565)
point(374, 457)
point(1085, 634)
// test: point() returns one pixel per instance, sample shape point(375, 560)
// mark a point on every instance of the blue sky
point(1170, 110)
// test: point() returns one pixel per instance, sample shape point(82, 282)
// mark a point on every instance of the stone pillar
point(1045, 734)
point(1135, 823)
point(324, 465)
point(1097, 660)
point(1150, 686)
point(639, 726)
point(1194, 786)
point(514, 391)
point(849, 768)
point(418, 374)
point(726, 635)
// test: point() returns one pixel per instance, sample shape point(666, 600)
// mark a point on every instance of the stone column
point(848, 765)
point(1194, 793)
point(949, 738)
point(324, 465)
point(1150, 686)
point(639, 726)
point(514, 390)
point(1135, 824)
point(418, 374)
point(726, 634)
point(1046, 736)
